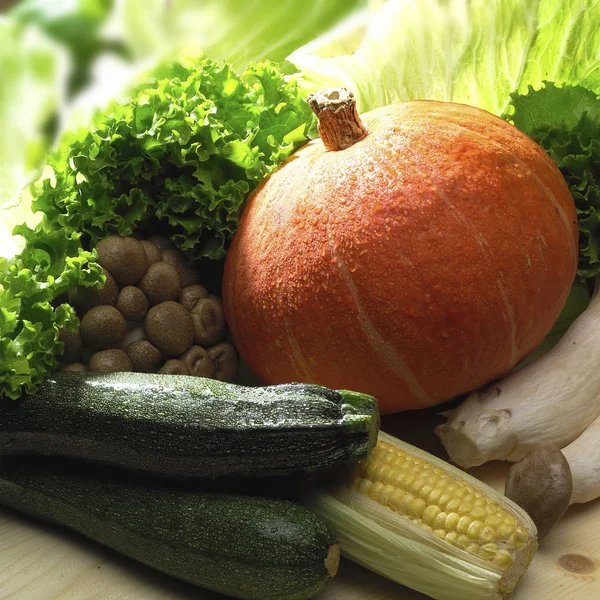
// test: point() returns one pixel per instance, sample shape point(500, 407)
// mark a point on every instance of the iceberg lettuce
point(471, 51)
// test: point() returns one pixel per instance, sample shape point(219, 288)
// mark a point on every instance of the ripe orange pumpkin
point(421, 262)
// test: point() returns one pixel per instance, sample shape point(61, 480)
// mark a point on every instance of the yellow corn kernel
point(488, 551)
point(445, 506)
point(440, 521)
point(425, 491)
point(435, 496)
point(452, 521)
point(430, 514)
point(478, 513)
point(473, 548)
point(487, 534)
point(453, 505)
point(416, 486)
point(494, 521)
point(518, 537)
point(451, 537)
point(474, 530)
point(463, 524)
point(503, 559)
point(504, 531)
point(412, 507)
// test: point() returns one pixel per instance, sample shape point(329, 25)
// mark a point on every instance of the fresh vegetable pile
point(443, 232)
point(181, 155)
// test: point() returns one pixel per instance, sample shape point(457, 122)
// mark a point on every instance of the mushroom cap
point(209, 321)
point(174, 367)
point(103, 327)
point(199, 362)
point(191, 294)
point(188, 275)
point(160, 283)
point(170, 328)
point(152, 251)
point(541, 484)
point(226, 361)
point(144, 356)
point(124, 257)
point(110, 361)
point(132, 303)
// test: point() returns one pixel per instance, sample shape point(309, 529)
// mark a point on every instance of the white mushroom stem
point(583, 456)
point(552, 400)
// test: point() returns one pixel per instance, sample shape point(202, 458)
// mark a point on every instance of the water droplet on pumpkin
point(318, 209)
point(324, 218)
point(300, 209)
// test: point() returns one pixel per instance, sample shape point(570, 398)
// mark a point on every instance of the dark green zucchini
point(187, 427)
point(249, 547)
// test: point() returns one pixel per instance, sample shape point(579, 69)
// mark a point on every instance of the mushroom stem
point(339, 124)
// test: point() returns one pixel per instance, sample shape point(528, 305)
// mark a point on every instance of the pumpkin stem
point(339, 124)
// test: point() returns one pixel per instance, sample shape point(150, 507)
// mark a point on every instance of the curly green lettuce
point(565, 121)
point(186, 149)
point(31, 314)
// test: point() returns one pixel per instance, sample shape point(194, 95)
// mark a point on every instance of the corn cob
point(421, 522)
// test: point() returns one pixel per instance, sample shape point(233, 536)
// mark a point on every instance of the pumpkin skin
point(418, 264)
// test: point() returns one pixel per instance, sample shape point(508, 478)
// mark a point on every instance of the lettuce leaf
point(34, 81)
point(51, 264)
point(565, 121)
point(238, 32)
point(185, 149)
point(470, 51)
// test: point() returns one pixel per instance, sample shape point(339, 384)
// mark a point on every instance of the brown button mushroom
point(161, 241)
point(132, 303)
point(188, 275)
point(73, 345)
point(174, 367)
point(74, 367)
point(144, 357)
point(191, 294)
point(199, 362)
point(103, 327)
point(110, 361)
point(160, 283)
point(225, 359)
point(541, 484)
point(209, 321)
point(88, 297)
point(152, 251)
point(170, 328)
point(124, 257)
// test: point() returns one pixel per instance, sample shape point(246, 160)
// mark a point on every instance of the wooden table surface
point(42, 562)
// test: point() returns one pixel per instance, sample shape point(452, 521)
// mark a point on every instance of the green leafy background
point(195, 137)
